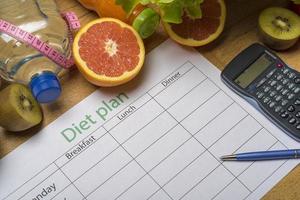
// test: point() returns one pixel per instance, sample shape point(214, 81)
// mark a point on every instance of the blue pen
point(263, 155)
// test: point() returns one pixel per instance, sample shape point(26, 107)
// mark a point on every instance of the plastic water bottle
point(22, 63)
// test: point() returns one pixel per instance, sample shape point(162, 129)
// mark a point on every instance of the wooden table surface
point(240, 31)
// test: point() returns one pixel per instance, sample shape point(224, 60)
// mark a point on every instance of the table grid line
point(91, 133)
point(133, 184)
point(244, 143)
point(81, 150)
point(63, 191)
point(95, 164)
point(69, 180)
point(95, 189)
point(38, 183)
point(141, 166)
point(165, 87)
point(223, 135)
point(121, 144)
point(194, 186)
point(160, 113)
point(198, 140)
point(226, 132)
point(267, 178)
point(256, 161)
point(102, 126)
point(175, 70)
point(236, 177)
point(251, 116)
point(239, 105)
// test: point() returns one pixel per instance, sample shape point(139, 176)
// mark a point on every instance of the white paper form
point(158, 138)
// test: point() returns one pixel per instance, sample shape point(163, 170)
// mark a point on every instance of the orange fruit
point(108, 52)
point(106, 8)
point(198, 32)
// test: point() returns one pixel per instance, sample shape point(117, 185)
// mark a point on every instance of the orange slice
point(108, 52)
point(198, 32)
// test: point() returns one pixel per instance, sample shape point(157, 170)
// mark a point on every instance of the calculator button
point(291, 85)
point(272, 94)
point(285, 81)
point(279, 87)
point(284, 102)
point(267, 89)
point(279, 77)
point(298, 114)
point(262, 81)
point(260, 95)
point(292, 120)
point(284, 114)
point(298, 127)
point(286, 70)
point(284, 92)
point(297, 102)
point(291, 96)
point(266, 100)
point(297, 80)
point(292, 75)
point(277, 108)
point(296, 90)
point(291, 108)
point(278, 98)
point(273, 83)
point(272, 104)
point(271, 73)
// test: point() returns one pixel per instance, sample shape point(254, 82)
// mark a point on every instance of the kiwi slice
point(18, 108)
point(279, 27)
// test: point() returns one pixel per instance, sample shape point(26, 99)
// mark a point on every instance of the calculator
point(265, 81)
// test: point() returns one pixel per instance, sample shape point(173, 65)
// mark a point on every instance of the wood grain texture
point(240, 31)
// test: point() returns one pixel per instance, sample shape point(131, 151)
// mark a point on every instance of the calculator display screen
point(253, 71)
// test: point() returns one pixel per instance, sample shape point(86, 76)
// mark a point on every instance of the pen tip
point(228, 157)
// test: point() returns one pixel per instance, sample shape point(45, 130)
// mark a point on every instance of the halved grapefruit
point(198, 32)
point(108, 52)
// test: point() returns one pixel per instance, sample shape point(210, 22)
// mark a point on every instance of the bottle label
point(41, 46)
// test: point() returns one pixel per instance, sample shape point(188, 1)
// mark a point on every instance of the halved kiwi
point(18, 108)
point(279, 28)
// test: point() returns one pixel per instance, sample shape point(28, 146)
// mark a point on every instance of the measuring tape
point(38, 44)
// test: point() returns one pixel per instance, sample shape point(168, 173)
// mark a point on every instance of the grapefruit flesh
point(198, 32)
point(108, 52)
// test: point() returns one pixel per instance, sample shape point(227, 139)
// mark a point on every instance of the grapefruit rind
point(196, 43)
point(102, 80)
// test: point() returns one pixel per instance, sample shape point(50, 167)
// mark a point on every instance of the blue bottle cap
point(45, 87)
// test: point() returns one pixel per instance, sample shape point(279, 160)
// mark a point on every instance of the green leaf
point(172, 12)
point(127, 5)
point(193, 10)
point(145, 2)
point(165, 1)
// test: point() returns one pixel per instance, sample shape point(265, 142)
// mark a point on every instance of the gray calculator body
point(265, 81)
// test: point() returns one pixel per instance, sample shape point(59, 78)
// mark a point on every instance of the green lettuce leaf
point(192, 8)
point(171, 10)
point(127, 5)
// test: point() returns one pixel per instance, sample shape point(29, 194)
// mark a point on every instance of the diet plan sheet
point(160, 137)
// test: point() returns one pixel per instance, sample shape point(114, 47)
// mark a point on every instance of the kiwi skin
point(275, 43)
point(15, 116)
point(284, 22)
